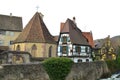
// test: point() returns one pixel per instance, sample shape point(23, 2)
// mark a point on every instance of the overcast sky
point(102, 17)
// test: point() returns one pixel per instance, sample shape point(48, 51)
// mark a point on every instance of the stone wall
point(23, 72)
point(88, 71)
point(35, 71)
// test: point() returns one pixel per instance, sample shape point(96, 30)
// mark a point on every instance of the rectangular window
point(78, 49)
point(11, 42)
point(1, 42)
point(64, 49)
point(64, 39)
point(83, 49)
point(11, 33)
point(2, 32)
point(7, 33)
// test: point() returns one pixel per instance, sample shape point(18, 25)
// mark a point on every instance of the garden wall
point(35, 71)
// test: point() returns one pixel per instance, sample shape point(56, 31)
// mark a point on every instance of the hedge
point(58, 68)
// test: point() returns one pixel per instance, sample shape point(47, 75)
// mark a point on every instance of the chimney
point(10, 14)
point(74, 20)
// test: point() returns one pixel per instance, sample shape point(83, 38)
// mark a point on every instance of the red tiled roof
point(75, 33)
point(89, 36)
point(35, 31)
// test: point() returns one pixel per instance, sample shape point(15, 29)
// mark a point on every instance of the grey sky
point(102, 17)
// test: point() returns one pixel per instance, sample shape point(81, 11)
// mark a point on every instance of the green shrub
point(113, 65)
point(58, 68)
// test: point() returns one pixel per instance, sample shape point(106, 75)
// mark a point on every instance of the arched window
point(18, 48)
point(50, 51)
point(87, 60)
point(79, 60)
point(34, 50)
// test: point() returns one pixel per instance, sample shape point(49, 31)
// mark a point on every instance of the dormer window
point(64, 39)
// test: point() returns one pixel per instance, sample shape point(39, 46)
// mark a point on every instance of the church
point(36, 39)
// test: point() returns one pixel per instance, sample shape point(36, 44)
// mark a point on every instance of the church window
point(50, 51)
point(18, 48)
point(34, 50)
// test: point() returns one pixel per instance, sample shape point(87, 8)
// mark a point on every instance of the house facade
point(36, 39)
point(105, 50)
point(10, 28)
point(73, 44)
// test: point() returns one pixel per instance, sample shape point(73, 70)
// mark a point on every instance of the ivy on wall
point(58, 68)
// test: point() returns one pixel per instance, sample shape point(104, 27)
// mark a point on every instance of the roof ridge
point(41, 27)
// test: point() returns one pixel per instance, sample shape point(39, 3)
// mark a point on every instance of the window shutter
point(60, 48)
point(61, 39)
point(67, 49)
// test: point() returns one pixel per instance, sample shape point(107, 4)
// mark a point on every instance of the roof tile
point(11, 23)
point(75, 33)
point(35, 31)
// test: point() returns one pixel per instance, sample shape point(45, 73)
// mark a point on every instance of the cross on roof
point(37, 7)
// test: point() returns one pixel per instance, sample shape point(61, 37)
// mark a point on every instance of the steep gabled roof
point(10, 23)
point(75, 33)
point(35, 32)
point(99, 43)
point(89, 36)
